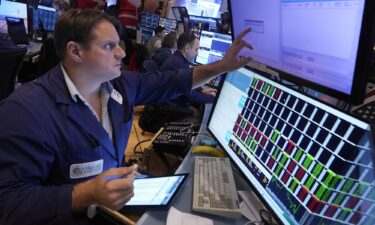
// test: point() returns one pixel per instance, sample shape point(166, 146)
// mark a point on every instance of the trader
point(62, 136)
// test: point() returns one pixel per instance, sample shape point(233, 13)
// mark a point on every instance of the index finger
point(243, 33)
point(122, 184)
point(116, 173)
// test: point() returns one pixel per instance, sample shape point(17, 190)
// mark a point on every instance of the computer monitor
point(149, 20)
point(319, 44)
point(17, 31)
point(12, 9)
point(199, 23)
point(212, 46)
point(179, 13)
point(168, 24)
point(225, 23)
point(47, 3)
point(146, 34)
point(204, 8)
point(44, 18)
point(310, 163)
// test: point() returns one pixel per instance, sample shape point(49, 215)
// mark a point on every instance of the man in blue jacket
point(62, 136)
point(187, 51)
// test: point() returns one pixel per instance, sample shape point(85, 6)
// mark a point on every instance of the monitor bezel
point(361, 73)
point(267, 76)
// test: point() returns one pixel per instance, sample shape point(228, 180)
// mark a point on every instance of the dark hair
point(184, 39)
point(159, 29)
point(169, 40)
point(76, 25)
point(62, 4)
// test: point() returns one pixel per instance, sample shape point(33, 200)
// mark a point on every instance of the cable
point(189, 127)
point(138, 144)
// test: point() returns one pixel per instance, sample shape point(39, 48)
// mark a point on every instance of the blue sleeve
point(155, 87)
point(25, 162)
point(196, 97)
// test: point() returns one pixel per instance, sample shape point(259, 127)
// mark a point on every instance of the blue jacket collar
point(55, 85)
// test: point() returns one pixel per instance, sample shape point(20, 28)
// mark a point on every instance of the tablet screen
point(156, 191)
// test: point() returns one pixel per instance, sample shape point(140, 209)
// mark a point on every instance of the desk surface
point(183, 201)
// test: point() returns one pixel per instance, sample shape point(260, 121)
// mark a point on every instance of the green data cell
point(270, 91)
point(243, 124)
point(321, 192)
point(253, 146)
point(298, 154)
point(275, 135)
point(348, 186)
point(276, 153)
point(248, 141)
point(254, 82)
point(309, 182)
point(339, 198)
point(326, 195)
point(278, 170)
point(335, 180)
point(307, 162)
point(294, 185)
point(317, 169)
point(344, 214)
point(283, 160)
point(264, 88)
point(329, 176)
point(362, 186)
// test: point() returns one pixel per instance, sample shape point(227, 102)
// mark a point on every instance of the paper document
point(176, 217)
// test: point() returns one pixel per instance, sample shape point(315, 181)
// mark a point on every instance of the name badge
point(116, 96)
point(87, 169)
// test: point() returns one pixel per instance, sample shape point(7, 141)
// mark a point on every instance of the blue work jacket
point(43, 132)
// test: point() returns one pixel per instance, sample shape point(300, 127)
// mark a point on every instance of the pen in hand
point(135, 173)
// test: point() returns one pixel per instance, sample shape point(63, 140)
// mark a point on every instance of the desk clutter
point(175, 136)
point(168, 147)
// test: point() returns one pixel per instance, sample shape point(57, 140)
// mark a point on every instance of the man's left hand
point(209, 91)
point(231, 59)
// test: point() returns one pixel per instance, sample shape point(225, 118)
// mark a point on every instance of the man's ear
point(74, 51)
point(187, 48)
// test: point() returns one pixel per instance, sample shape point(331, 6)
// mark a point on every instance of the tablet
point(155, 192)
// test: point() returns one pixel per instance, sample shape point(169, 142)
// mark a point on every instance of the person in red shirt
point(128, 15)
point(84, 4)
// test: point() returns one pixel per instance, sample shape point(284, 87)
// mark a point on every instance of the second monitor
point(44, 18)
point(212, 47)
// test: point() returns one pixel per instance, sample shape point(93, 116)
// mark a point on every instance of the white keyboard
point(214, 188)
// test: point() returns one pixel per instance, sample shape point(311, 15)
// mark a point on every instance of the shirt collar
point(74, 92)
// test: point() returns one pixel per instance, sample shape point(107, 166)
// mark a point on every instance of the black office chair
point(47, 57)
point(150, 66)
point(10, 62)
